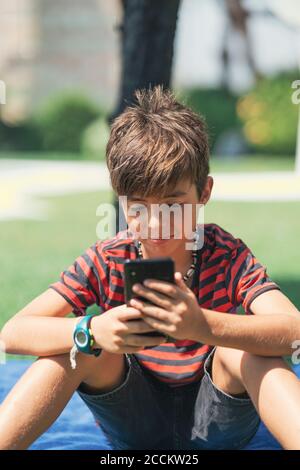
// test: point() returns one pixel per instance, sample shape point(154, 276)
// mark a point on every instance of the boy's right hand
point(116, 330)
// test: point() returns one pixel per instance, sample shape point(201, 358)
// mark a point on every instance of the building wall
point(50, 46)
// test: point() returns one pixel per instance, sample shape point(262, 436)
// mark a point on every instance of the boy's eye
point(170, 204)
point(137, 207)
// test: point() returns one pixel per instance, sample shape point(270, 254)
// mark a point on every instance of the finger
point(159, 325)
point(151, 310)
point(166, 288)
point(155, 297)
point(180, 282)
point(130, 312)
point(138, 326)
point(130, 349)
point(139, 340)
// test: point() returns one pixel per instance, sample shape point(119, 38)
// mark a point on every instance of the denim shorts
point(145, 413)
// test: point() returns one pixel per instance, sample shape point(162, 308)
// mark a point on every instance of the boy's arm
point(39, 329)
point(274, 302)
point(271, 331)
point(36, 330)
point(271, 323)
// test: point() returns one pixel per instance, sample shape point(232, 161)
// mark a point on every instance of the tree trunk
point(147, 43)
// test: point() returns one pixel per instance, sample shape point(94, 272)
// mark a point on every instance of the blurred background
point(68, 67)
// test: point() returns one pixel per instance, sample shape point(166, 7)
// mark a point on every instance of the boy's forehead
point(180, 189)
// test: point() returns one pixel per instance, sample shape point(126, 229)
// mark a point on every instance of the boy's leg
point(272, 386)
point(44, 390)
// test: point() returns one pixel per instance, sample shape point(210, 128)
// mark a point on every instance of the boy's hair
point(155, 143)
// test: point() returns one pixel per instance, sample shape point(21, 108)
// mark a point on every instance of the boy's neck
point(181, 259)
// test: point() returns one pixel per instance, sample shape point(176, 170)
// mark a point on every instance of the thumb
point(180, 282)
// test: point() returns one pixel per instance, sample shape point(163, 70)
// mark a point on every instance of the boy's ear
point(206, 193)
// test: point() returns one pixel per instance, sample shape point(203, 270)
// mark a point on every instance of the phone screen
point(137, 271)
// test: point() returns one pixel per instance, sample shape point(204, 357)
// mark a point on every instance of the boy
point(211, 375)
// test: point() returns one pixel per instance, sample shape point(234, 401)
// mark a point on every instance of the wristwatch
point(83, 337)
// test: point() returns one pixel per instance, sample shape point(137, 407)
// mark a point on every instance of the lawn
point(33, 253)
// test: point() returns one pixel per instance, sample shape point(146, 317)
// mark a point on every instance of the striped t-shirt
point(227, 275)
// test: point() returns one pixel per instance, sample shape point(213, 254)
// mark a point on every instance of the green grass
point(33, 253)
point(252, 163)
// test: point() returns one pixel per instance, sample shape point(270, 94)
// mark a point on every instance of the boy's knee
point(239, 363)
point(229, 359)
point(258, 362)
point(84, 363)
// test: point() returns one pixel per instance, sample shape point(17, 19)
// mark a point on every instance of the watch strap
point(85, 324)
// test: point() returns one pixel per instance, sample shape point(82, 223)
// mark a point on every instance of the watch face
point(81, 338)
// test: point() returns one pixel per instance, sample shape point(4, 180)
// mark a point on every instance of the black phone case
point(136, 271)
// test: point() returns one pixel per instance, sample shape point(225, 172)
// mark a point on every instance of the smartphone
point(136, 271)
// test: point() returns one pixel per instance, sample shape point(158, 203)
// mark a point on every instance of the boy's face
point(165, 224)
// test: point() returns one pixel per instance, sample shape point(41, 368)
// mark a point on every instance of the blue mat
point(75, 429)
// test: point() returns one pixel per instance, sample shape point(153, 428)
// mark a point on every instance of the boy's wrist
point(94, 326)
point(203, 331)
point(83, 336)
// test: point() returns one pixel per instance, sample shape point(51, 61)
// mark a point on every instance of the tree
point(147, 42)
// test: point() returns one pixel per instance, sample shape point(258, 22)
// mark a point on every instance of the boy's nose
point(154, 226)
point(158, 228)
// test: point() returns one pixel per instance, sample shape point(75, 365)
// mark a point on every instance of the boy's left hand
point(176, 311)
